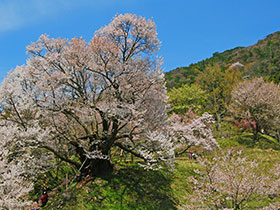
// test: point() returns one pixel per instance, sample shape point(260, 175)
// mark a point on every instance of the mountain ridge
point(260, 59)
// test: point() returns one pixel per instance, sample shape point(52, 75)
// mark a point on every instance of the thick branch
point(76, 118)
point(179, 153)
point(56, 153)
point(17, 113)
point(129, 150)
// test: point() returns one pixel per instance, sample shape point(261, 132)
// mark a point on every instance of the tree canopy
point(84, 99)
point(258, 102)
point(78, 102)
point(186, 97)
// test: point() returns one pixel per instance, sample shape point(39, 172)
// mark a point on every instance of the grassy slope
point(131, 187)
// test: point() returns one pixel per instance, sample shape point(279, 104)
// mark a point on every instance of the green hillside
point(132, 187)
point(260, 59)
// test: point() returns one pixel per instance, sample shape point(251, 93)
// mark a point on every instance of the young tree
point(257, 102)
point(81, 99)
point(186, 97)
point(230, 181)
point(186, 127)
point(196, 131)
point(232, 76)
point(211, 81)
point(218, 85)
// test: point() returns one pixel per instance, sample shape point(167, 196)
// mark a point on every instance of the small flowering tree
point(230, 181)
point(258, 103)
point(193, 131)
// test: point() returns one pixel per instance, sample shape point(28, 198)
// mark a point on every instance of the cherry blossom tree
point(189, 131)
point(230, 181)
point(257, 102)
point(13, 185)
point(79, 99)
point(14, 182)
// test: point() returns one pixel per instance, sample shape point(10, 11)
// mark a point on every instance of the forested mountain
point(260, 59)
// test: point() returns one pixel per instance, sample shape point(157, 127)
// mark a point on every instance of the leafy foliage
point(186, 97)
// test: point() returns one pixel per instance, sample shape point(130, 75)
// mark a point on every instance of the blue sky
point(190, 30)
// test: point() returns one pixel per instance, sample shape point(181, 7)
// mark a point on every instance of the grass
point(129, 187)
point(180, 184)
point(132, 187)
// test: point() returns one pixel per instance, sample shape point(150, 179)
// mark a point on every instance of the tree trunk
point(255, 132)
point(218, 121)
point(97, 168)
point(255, 136)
